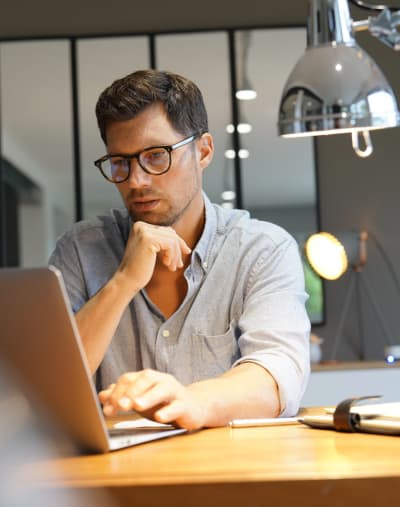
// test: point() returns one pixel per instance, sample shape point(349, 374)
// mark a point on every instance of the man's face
point(167, 198)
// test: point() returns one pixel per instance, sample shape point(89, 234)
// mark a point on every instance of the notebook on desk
point(379, 418)
point(40, 341)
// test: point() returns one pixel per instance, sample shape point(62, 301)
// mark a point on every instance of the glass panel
point(278, 175)
point(100, 62)
point(36, 146)
point(203, 58)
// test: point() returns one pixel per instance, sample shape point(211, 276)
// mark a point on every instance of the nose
point(138, 178)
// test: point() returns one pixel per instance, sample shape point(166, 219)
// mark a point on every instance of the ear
point(205, 150)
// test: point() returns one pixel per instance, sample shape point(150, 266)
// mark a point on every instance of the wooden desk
point(274, 466)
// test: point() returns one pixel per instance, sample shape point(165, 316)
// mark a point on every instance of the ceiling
point(76, 17)
point(27, 18)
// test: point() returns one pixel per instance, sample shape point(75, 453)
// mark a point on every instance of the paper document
point(378, 409)
point(141, 423)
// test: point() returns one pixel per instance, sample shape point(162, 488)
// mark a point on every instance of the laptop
point(40, 341)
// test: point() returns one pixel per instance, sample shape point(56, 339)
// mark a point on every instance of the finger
point(173, 411)
point(105, 393)
point(166, 257)
point(170, 234)
point(119, 390)
point(171, 255)
point(162, 392)
point(170, 246)
point(183, 246)
point(114, 397)
point(175, 257)
point(178, 255)
point(154, 247)
point(109, 410)
point(143, 383)
point(131, 386)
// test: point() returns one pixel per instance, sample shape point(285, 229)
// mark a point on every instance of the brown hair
point(128, 96)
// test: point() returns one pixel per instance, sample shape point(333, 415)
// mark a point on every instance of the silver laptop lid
point(40, 340)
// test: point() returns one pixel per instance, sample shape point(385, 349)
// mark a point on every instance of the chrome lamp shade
point(335, 87)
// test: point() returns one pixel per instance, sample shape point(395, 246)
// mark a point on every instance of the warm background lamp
point(336, 87)
point(326, 255)
point(331, 256)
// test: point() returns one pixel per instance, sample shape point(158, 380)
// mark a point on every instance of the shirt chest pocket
point(212, 355)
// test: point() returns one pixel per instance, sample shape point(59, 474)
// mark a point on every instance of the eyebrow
point(119, 154)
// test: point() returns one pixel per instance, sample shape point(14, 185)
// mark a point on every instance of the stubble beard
point(172, 215)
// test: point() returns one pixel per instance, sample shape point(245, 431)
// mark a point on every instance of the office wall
point(353, 192)
point(364, 193)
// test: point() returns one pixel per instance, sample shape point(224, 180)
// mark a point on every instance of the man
point(189, 313)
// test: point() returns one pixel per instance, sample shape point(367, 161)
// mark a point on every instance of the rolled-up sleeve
point(65, 257)
point(274, 325)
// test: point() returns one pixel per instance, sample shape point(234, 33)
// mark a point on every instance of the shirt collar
point(203, 247)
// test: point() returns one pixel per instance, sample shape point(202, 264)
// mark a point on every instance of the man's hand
point(147, 242)
point(155, 395)
point(247, 390)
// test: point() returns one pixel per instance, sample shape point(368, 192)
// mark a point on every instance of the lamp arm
point(378, 312)
point(372, 7)
point(389, 264)
point(384, 27)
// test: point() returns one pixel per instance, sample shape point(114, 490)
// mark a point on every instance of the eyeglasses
point(155, 160)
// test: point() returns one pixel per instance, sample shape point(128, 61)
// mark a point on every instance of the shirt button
point(205, 265)
point(165, 333)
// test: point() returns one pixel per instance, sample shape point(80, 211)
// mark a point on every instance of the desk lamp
point(330, 256)
point(336, 87)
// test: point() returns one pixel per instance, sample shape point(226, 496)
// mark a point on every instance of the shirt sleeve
point(274, 324)
point(65, 257)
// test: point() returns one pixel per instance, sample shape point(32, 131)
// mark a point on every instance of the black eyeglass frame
point(169, 148)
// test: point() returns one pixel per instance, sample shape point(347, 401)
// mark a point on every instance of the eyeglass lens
point(155, 161)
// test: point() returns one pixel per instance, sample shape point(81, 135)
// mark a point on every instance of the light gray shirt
point(245, 302)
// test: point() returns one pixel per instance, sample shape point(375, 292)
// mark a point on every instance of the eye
point(155, 157)
point(118, 167)
point(156, 154)
point(117, 162)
